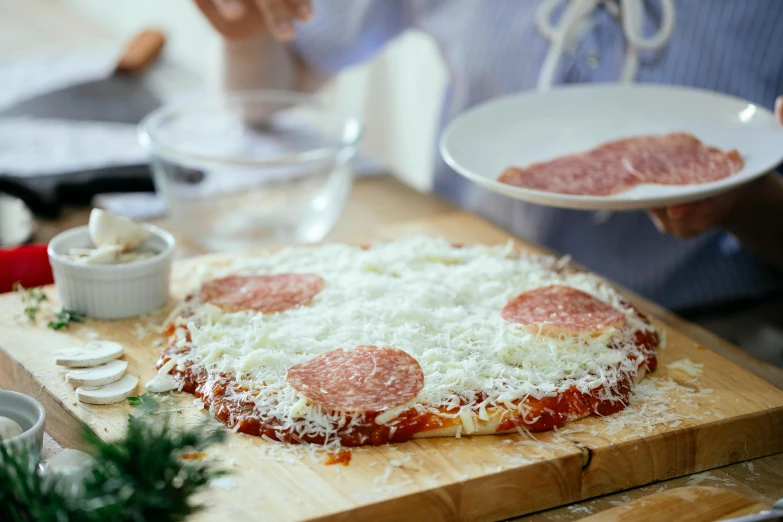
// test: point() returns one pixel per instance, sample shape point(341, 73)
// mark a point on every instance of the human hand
point(691, 219)
point(240, 19)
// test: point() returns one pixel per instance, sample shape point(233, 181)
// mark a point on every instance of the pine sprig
point(23, 494)
point(141, 477)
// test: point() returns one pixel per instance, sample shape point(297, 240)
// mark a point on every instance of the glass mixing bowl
point(253, 168)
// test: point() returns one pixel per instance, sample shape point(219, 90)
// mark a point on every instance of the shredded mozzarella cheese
point(439, 303)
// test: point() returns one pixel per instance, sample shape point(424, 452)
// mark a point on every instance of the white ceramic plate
point(525, 128)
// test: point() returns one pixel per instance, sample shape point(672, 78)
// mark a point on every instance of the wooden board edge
point(502, 495)
point(64, 427)
point(683, 452)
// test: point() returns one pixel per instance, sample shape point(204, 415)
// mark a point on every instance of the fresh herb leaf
point(31, 299)
point(64, 318)
point(146, 402)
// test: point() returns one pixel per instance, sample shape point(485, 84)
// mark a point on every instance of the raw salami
point(680, 161)
point(562, 307)
point(262, 293)
point(673, 159)
point(367, 378)
point(594, 175)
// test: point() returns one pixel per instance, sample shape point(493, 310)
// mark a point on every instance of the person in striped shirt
point(697, 259)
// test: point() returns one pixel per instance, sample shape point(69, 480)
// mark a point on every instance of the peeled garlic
point(9, 428)
point(107, 229)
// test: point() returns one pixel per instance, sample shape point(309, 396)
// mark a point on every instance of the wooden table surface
point(379, 201)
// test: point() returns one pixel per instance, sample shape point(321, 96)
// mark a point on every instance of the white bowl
point(31, 417)
point(112, 291)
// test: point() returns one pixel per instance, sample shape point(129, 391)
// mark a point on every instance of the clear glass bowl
point(252, 168)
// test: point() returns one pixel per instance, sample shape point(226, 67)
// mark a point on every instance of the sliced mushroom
point(109, 394)
point(92, 354)
point(101, 375)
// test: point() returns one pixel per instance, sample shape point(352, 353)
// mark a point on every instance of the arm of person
point(260, 51)
point(262, 62)
point(254, 54)
point(753, 213)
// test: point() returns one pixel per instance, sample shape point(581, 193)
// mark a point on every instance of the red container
point(27, 265)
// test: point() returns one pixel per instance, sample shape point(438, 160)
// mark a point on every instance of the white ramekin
point(31, 417)
point(111, 291)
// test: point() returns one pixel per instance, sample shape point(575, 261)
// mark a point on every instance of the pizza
point(673, 159)
point(342, 345)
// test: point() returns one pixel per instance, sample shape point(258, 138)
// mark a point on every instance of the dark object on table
point(46, 195)
point(120, 98)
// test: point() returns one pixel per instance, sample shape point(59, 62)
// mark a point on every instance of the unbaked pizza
point(344, 346)
point(673, 159)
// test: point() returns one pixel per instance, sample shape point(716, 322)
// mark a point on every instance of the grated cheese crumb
point(687, 366)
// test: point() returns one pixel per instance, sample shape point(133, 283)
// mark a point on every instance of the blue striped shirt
point(492, 48)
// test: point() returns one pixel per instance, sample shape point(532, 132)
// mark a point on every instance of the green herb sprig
point(64, 318)
point(139, 478)
point(31, 299)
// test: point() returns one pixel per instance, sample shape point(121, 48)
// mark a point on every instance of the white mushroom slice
point(109, 229)
point(161, 384)
point(69, 462)
point(93, 354)
point(109, 394)
point(9, 428)
point(107, 373)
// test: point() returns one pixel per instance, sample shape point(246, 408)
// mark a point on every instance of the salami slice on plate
point(366, 378)
point(262, 293)
point(673, 159)
point(562, 308)
point(613, 147)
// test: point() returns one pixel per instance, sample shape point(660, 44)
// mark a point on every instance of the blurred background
point(68, 120)
point(400, 89)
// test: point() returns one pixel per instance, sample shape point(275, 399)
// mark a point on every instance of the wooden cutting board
point(721, 416)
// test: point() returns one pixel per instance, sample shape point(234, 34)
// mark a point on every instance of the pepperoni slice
point(365, 379)
point(262, 293)
point(561, 307)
